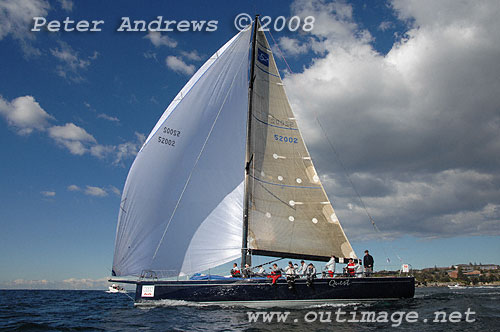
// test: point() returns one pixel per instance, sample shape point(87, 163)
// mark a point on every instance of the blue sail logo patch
point(263, 57)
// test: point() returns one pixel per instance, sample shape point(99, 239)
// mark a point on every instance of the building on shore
point(471, 267)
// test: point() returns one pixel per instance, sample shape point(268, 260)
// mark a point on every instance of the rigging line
point(338, 157)
point(347, 175)
point(196, 162)
point(273, 261)
point(130, 297)
point(375, 227)
point(270, 193)
point(281, 53)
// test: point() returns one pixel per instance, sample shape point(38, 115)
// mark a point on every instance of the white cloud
point(89, 106)
point(48, 193)
point(16, 19)
point(153, 100)
point(24, 114)
point(73, 187)
point(178, 65)
point(22, 283)
point(193, 55)
point(418, 127)
point(74, 138)
point(86, 283)
point(150, 55)
point(291, 46)
point(67, 5)
point(158, 39)
point(108, 117)
point(72, 63)
point(94, 56)
point(101, 151)
point(129, 149)
point(70, 283)
point(115, 190)
point(119, 153)
point(385, 25)
point(95, 191)
point(333, 20)
point(70, 132)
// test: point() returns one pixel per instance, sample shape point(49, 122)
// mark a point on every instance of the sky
point(407, 94)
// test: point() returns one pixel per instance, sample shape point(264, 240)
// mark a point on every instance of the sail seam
point(284, 185)
point(267, 123)
point(265, 71)
point(197, 159)
point(264, 47)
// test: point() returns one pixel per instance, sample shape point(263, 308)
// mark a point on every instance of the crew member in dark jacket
point(368, 263)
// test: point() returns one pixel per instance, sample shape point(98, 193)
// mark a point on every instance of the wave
point(168, 303)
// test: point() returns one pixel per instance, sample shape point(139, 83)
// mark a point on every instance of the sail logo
point(148, 291)
point(263, 57)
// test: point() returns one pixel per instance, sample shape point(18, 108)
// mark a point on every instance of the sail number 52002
point(171, 132)
point(285, 139)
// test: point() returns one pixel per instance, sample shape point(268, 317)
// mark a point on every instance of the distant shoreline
point(451, 283)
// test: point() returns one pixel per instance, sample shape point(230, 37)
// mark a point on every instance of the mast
point(248, 159)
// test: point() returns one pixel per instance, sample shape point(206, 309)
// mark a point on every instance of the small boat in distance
point(114, 288)
point(225, 173)
point(456, 286)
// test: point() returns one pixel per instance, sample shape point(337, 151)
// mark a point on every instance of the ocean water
point(53, 310)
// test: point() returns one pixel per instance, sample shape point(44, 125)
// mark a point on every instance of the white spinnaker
point(192, 160)
point(202, 254)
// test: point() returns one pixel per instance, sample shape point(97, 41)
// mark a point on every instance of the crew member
point(291, 274)
point(247, 271)
point(330, 266)
point(310, 274)
point(301, 271)
point(351, 267)
point(235, 271)
point(275, 273)
point(261, 271)
point(368, 263)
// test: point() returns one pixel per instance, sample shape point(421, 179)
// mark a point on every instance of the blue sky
point(406, 90)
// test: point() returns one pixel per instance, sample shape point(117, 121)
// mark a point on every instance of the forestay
point(290, 214)
point(181, 206)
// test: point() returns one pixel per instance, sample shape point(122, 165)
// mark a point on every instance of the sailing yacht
point(225, 173)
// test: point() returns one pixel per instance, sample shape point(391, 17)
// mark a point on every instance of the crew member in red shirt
point(235, 272)
point(351, 268)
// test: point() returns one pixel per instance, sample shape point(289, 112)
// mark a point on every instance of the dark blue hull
point(261, 290)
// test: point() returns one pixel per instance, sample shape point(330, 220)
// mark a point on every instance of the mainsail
point(184, 197)
point(290, 214)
